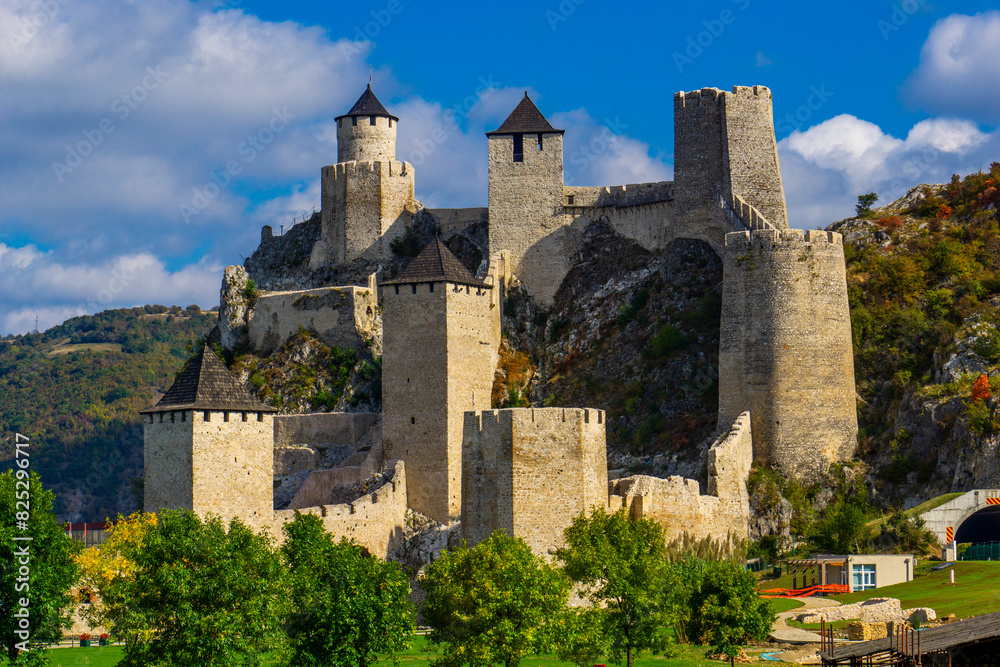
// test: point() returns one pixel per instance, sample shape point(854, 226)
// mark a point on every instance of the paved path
point(782, 632)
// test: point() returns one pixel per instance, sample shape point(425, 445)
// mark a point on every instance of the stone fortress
point(786, 376)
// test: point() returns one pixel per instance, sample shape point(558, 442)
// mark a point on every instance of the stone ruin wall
point(785, 348)
point(678, 505)
point(375, 520)
point(324, 429)
point(346, 317)
point(530, 471)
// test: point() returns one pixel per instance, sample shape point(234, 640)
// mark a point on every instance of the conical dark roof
point(436, 263)
point(368, 105)
point(526, 119)
point(206, 384)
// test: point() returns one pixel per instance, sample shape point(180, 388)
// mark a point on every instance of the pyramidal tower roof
point(526, 119)
point(368, 105)
point(436, 263)
point(206, 384)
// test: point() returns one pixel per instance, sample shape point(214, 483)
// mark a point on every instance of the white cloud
point(959, 72)
point(827, 166)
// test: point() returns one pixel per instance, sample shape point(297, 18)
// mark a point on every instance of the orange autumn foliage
point(981, 389)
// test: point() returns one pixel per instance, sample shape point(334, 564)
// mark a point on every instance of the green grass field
point(420, 654)
point(976, 591)
point(785, 604)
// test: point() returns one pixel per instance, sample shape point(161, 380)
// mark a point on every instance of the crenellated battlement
point(715, 96)
point(362, 169)
point(784, 237)
point(619, 196)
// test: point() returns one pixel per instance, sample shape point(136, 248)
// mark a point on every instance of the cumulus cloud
point(959, 73)
point(827, 166)
point(34, 283)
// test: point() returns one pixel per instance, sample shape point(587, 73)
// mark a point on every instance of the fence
point(296, 219)
point(981, 551)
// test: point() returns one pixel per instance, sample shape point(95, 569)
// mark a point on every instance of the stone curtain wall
point(531, 471)
point(324, 429)
point(677, 504)
point(751, 152)
point(365, 205)
point(375, 520)
point(785, 349)
point(212, 467)
point(341, 316)
point(364, 142)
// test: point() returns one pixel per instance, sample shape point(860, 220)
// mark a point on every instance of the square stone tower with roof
point(208, 447)
point(441, 334)
point(367, 197)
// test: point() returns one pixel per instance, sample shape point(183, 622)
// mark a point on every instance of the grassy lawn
point(420, 654)
point(785, 604)
point(815, 627)
point(976, 591)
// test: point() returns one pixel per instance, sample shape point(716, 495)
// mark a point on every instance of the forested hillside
point(76, 391)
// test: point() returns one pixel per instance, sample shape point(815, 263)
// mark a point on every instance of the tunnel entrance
point(983, 526)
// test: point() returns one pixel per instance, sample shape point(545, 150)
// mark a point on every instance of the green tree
point(844, 526)
point(207, 595)
point(865, 203)
point(583, 638)
point(347, 606)
point(39, 571)
point(622, 565)
point(496, 602)
point(727, 610)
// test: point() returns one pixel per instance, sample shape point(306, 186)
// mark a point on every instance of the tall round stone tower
point(367, 197)
point(785, 348)
point(367, 132)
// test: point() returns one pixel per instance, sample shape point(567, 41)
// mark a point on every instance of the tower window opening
point(539, 141)
point(413, 420)
point(354, 120)
point(397, 289)
point(371, 119)
point(569, 200)
point(390, 122)
point(225, 416)
point(244, 416)
point(432, 287)
point(414, 288)
point(518, 148)
point(260, 416)
point(208, 416)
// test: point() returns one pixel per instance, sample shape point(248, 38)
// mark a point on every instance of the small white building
point(859, 572)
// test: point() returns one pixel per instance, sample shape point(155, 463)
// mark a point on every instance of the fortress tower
point(531, 471)
point(724, 144)
point(367, 197)
point(441, 333)
point(785, 349)
point(526, 196)
point(208, 447)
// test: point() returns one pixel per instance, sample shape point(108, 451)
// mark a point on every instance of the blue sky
point(118, 119)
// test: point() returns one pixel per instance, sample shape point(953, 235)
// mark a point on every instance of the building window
point(354, 121)
point(208, 416)
point(260, 416)
point(390, 122)
point(184, 416)
point(569, 200)
point(397, 289)
point(371, 119)
point(244, 416)
point(432, 287)
point(863, 577)
point(413, 420)
point(414, 288)
point(225, 416)
point(518, 148)
point(539, 141)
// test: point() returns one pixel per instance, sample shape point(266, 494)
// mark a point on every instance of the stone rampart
point(618, 195)
point(785, 347)
point(345, 317)
point(375, 520)
point(531, 471)
point(320, 484)
point(455, 220)
point(323, 429)
point(677, 503)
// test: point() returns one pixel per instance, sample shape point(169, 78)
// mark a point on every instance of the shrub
point(890, 223)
